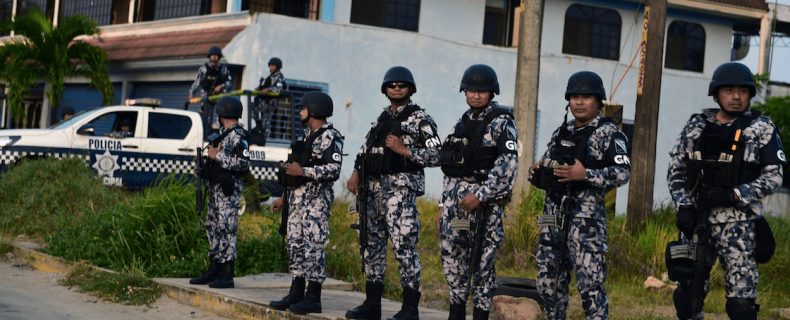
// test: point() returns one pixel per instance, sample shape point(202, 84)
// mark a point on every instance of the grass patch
point(129, 287)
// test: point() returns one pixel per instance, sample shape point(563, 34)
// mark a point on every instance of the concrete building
point(343, 47)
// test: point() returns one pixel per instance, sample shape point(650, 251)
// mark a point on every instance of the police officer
point(229, 161)
point(265, 102)
point(727, 193)
point(67, 112)
point(312, 169)
point(480, 163)
point(401, 142)
point(125, 131)
point(586, 157)
point(212, 78)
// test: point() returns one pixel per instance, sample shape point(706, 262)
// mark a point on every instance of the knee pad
point(740, 308)
point(682, 303)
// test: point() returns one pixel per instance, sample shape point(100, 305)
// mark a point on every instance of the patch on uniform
point(246, 153)
point(427, 130)
point(511, 145)
point(511, 133)
point(620, 146)
point(336, 157)
point(781, 155)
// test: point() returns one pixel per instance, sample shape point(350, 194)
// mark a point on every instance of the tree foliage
point(41, 50)
point(778, 109)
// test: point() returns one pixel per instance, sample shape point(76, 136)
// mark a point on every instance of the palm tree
point(41, 50)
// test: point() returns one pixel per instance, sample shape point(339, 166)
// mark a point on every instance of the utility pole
point(643, 156)
point(526, 100)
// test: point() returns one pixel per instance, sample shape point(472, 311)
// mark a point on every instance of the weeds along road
point(27, 293)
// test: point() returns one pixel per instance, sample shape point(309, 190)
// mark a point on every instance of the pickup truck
point(163, 140)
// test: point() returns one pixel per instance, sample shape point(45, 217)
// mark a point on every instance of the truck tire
point(518, 287)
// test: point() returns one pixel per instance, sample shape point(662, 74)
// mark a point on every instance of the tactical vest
point(301, 153)
point(379, 158)
point(717, 159)
point(212, 78)
point(213, 171)
point(463, 154)
point(567, 147)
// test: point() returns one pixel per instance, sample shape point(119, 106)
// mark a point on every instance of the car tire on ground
point(518, 287)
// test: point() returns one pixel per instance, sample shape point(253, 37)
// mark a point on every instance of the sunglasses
point(393, 85)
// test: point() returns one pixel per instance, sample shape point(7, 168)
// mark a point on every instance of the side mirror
point(86, 130)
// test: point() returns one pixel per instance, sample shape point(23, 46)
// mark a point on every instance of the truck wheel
point(518, 287)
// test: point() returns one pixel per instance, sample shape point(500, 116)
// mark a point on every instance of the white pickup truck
point(163, 140)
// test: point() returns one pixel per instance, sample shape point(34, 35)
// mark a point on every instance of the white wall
point(353, 60)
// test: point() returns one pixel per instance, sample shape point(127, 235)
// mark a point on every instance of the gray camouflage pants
point(733, 243)
point(455, 257)
point(308, 227)
point(222, 223)
point(584, 254)
point(393, 215)
point(262, 110)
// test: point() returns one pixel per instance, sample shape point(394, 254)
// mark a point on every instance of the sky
point(779, 70)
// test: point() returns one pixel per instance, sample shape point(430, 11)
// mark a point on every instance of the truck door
point(113, 158)
point(169, 145)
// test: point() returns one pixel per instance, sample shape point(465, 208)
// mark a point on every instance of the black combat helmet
point(480, 77)
point(318, 104)
point(214, 50)
point(277, 62)
point(732, 74)
point(126, 122)
point(585, 82)
point(67, 111)
point(229, 107)
point(398, 74)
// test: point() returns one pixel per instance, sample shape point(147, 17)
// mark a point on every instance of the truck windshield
point(70, 121)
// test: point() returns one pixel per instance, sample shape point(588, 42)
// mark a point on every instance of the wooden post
point(526, 99)
point(643, 156)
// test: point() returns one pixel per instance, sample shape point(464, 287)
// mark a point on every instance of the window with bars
point(685, 46)
point(396, 14)
point(592, 32)
point(151, 10)
point(6, 7)
point(44, 6)
point(99, 10)
point(307, 9)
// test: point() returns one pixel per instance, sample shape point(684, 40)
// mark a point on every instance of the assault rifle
point(480, 214)
point(700, 272)
point(284, 209)
point(563, 221)
point(360, 206)
point(228, 94)
point(199, 186)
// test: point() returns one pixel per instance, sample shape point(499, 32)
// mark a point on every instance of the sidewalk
point(250, 299)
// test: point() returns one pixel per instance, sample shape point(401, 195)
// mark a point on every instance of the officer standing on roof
point(401, 142)
point(586, 157)
point(212, 78)
point(266, 101)
point(725, 160)
point(312, 169)
point(229, 161)
point(480, 163)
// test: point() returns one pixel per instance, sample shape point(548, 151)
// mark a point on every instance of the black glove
point(712, 197)
point(687, 220)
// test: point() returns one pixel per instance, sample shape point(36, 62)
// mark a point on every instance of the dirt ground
point(28, 293)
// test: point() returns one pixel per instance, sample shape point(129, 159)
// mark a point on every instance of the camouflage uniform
point(455, 257)
point(586, 237)
point(263, 107)
point(392, 202)
point(309, 207)
point(222, 219)
point(224, 80)
point(732, 232)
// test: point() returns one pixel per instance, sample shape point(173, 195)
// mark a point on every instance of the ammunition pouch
point(544, 178)
point(679, 259)
point(765, 242)
point(215, 174)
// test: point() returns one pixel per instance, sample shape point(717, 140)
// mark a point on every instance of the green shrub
point(128, 287)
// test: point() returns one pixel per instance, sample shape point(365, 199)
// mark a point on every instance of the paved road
point(26, 293)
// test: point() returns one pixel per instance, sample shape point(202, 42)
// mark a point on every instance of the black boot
point(479, 314)
point(457, 312)
point(295, 295)
point(311, 302)
point(225, 277)
point(408, 311)
point(208, 276)
point(371, 308)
